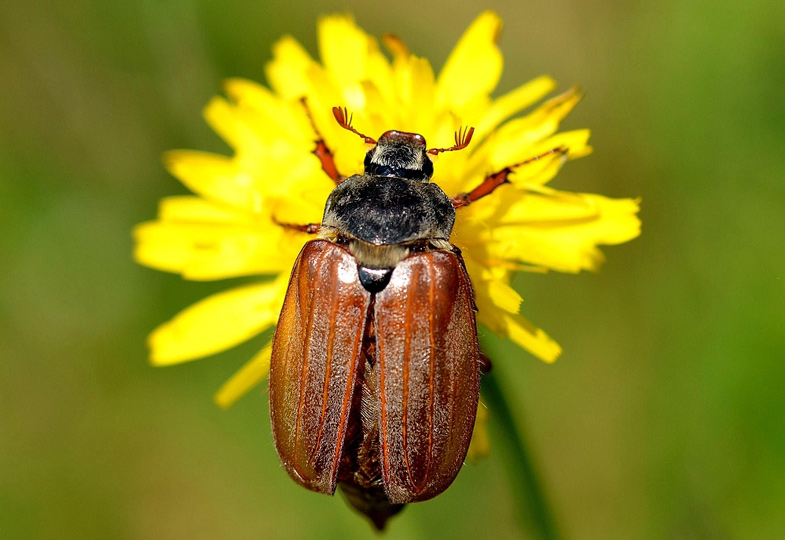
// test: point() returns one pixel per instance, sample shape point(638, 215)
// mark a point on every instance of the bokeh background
point(665, 416)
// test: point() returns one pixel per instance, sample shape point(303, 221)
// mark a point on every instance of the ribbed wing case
point(427, 362)
point(315, 363)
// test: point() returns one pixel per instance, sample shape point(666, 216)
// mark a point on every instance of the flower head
point(231, 226)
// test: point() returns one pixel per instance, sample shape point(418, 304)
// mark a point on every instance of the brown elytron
point(427, 364)
point(316, 362)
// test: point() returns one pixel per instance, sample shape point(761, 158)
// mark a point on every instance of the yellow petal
point(277, 118)
point(541, 171)
point(287, 72)
point(232, 125)
point(515, 327)
point(270, 158)
point(531, 338)
point(213, 251)
point(473, 68)
point(214, 177)
point(344, 49)
point(251, 374)
point(300, 208)
point(162, 252)
point(422, 92)
point(618, 221)
point(379, 73)
point(353, 64)
point(217, 323)
point(503, 296)
point(381, 112)
point(574, 141)
point(507, 105)
point(203, 240)
point(190, 209)
point(555, 208)
point(568, 244)
point(413, 108)
point(520, 139)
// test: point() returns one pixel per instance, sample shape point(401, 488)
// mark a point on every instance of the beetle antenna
point(462, 139)
point(340, 117)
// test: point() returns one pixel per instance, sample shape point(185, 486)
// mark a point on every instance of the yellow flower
point(229, 227)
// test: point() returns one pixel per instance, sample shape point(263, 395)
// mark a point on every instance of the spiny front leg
point(322, 151)
point(493, 181)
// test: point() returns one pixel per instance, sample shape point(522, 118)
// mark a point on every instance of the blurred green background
point(664, 418)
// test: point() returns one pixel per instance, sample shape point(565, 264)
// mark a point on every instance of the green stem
point(535, 513)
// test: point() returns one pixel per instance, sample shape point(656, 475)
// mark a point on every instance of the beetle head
point(399, 154)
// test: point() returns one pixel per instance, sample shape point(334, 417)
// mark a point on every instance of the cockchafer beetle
point(375, 370)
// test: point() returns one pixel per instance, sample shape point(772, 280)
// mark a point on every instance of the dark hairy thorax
point(383, 210)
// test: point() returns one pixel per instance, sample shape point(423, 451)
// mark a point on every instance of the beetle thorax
point(384, 210)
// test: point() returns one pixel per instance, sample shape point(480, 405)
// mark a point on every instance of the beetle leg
point(493, 181)
point(485, 363)
point(309, 228)
point(322, 151)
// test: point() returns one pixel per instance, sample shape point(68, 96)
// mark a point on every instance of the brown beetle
point(375, 371)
